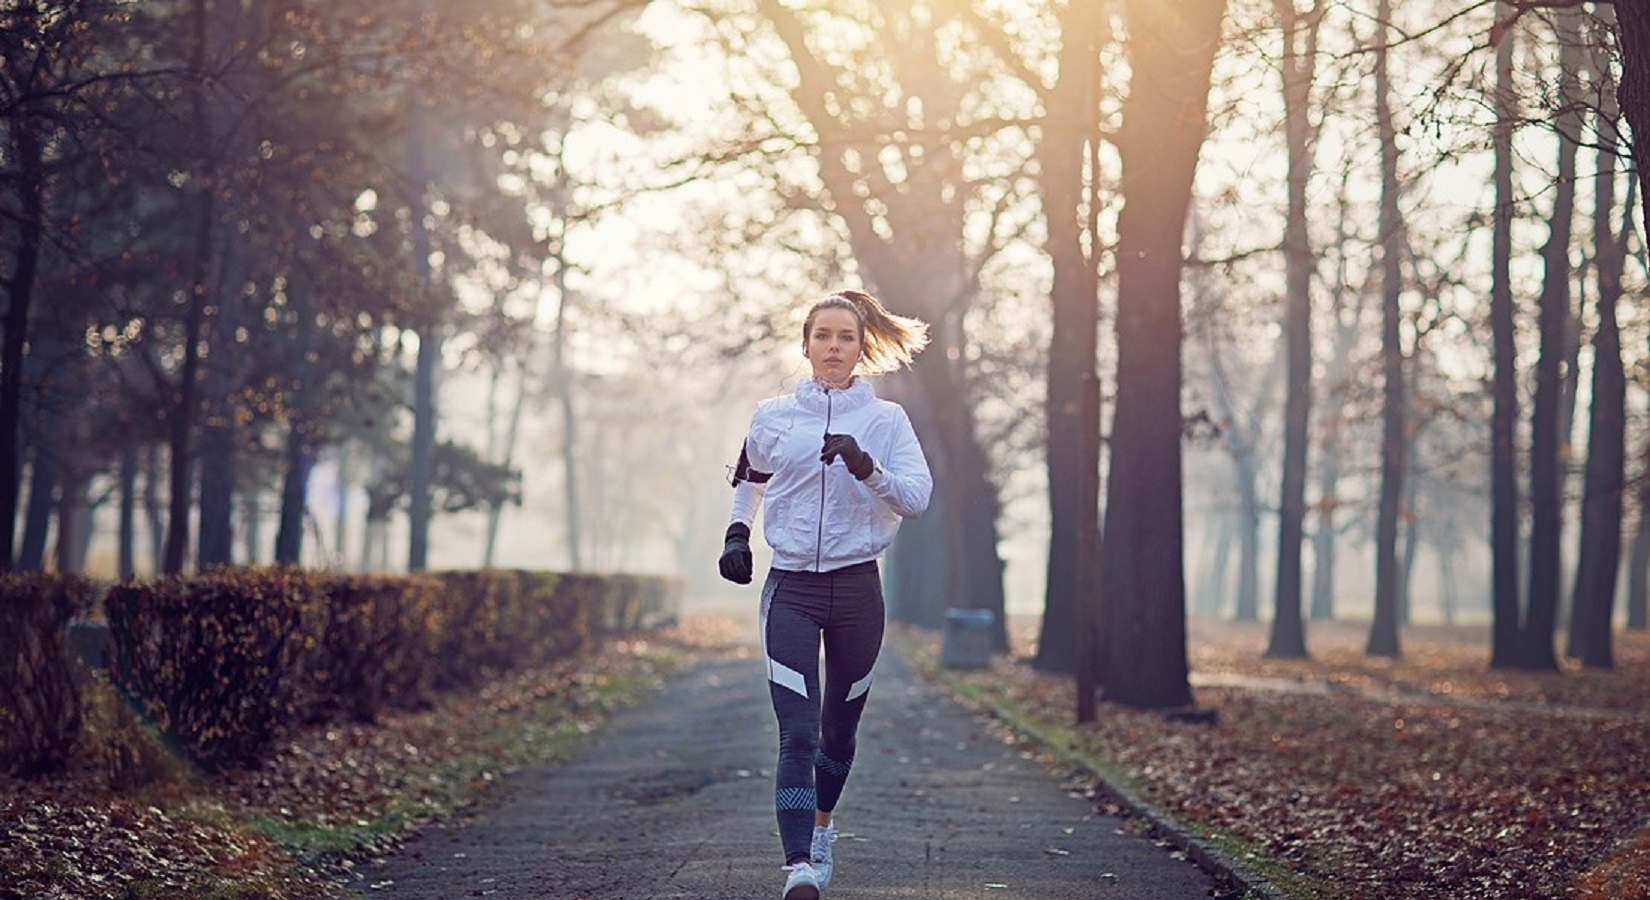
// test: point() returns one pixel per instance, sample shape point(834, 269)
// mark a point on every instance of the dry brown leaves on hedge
point(1429, 776)
point(332, 792)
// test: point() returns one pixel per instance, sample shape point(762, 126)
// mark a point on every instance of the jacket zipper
point(819, 536)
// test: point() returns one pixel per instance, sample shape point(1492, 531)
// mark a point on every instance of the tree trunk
point(37, 513)
point(961, 471)
point(1383, 629)
point(300, 437)
point(252, 527)
point(1446, 584)
point(126, 540)
point(1239, 435)
point(1248, 582)
point(1507, 625)
point(1347, 309)
point(1638, 567)
point(220, 437)
point(422, 465)
point(1073, 382)
point(1299, 63)
point(73, 524)
point(341, 512)
point(54, 371)
point(1211, 599)
point(1601, 501)
point(1633, 94)
point(1546, 439)
point(562, 372)
point(1171, 52)
point(19, 286)
point(1324, 536)
point(1412, 542)
point(154, 507)
point(181, 436)
point(289, 533)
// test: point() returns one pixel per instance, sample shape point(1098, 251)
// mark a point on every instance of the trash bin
point(967, 639)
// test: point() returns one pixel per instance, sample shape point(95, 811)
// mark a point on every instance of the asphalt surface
point(674, 799)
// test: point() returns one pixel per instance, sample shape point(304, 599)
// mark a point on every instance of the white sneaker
point(821, 853)
point(802, 884)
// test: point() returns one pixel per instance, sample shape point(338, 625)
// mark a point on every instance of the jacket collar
point(811, 397)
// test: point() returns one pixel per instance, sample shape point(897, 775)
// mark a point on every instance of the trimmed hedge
point(378, 637)
point(225, 663)
point(210, 659)
point(40, 704)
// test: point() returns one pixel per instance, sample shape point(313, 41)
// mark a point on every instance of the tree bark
point(1239, 435)
point(1383, 629)
point(562, 372)
point(1638, 565)
point(1411, 527)
point(1249, 513)
point(1602, 494)
point(1171, 53)
point(44, 479)
point(220, 431)
point(1073, 382)
point(19, 285)
point(1537, 649)
point(1507, 625)
point(1299, 64)
point(973, 570)
point(1211, 598)
point(154, 507)
point(126, 538)
point(341, 511)
point(422, 467)
point(186, 395)
point(73, 523)
point(300, 439)
point(1633, 94)
point(1324, 535)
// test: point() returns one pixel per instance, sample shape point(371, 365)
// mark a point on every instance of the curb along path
point(673, 799)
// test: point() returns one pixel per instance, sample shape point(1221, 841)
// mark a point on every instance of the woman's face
point(832, 344)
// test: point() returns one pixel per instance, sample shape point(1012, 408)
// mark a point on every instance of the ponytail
point(888, 341)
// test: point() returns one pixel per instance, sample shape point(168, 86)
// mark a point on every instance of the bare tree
point(1383, 630)
point(1507, 629)
point(1602, 493)
point(1633, 93)
point(1143, 589)
point(1299, 65)
point(1073, 379)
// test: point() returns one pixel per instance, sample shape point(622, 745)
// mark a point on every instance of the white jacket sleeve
point(902, 481)
point(749, 484)
point(747, 499)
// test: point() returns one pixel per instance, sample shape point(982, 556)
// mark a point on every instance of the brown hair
point(887, 341)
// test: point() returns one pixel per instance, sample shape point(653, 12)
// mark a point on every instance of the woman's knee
point(799, 739)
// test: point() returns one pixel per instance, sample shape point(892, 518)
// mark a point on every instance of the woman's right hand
point(736, 554)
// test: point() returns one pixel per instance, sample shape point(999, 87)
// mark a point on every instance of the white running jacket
point(817, 517)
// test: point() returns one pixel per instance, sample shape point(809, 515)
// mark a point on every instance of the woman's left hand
point(859, 463)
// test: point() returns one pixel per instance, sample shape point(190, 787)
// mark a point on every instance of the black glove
point(859, 463)
point(736, 554)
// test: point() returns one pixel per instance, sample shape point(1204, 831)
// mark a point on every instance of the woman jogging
point(834, 469)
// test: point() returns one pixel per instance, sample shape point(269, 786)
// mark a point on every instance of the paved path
point(673, 799)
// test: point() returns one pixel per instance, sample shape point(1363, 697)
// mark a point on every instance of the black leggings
point(816, 730)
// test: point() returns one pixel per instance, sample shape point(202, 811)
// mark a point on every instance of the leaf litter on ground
point(1430, 775)
point(333, 796)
